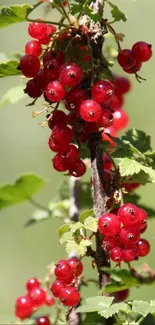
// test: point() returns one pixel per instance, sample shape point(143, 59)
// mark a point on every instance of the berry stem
point(62, 10)
point(38, 205)
point(91, 60)
point(112, 31)
point(112, 160)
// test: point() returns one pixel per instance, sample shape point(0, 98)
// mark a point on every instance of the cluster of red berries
point(131, 60)
point(35, 298)
point(121, 230)
point(66, 283)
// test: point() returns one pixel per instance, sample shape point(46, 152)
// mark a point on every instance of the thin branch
point(38, 205)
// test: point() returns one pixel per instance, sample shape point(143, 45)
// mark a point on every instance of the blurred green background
point(26, 252)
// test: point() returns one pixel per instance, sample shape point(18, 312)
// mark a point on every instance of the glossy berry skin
point(78, 169)
point(130, 253)
point(37, 30)
point(41, 80)
point(52, 69)
point(144, 229)
point(69, 296)
point(38, 297)
point(60, 163)
point(54, 55)
point(135, 68)
point(56, 147)
point(76, 266)
point(121, 295)
point(111, 131)
point(23, 307)
point(33, 47)
point(32, 89)
point(116, 255)
point(50, 301)
point(129, 237)
point(129, 215)
point(62, 270)
point(90, 110)
point(102, 91)
point(142, 51)
point(144, 247)
point(106, 118)
point(70, 74)
point(109, 225)
point(51, 29)
point(122, 85)
point(55, 92)
point(109, 243)
point(29, 65)
point(143, 218)
point(32, 283)
point(74, 99)
point(126, 58)
point(58, 117)
point(72, 154)
point(117, 102)
point(120, 119)
point(56, 286)
point(43, 320)
point(62, 135)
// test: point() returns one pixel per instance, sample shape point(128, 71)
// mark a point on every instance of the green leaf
point(113, 309)
point(143, 307)
point(80, 248)
point(117, 14)
point(63, 229)
point(76, 226)
point(14, 14)
point(9, 68)
point(24, 187)
point(129, 167)
point(83, 8)
point(65, 237)
point(84, 215)
point(138, 139)
point(95, 304)
point(91, 224)
point(38, 216)
point(59, 209)
point(12, 96)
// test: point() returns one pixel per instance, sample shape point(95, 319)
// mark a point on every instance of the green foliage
point(9, 68)
point(95, 304)
point(80, 248)
point(24, 187)
point(84, 215)
point(83, 7)
point(143, 307)
point(14, 14)
point(113, 309)
point(117, 14)
point(12, 96)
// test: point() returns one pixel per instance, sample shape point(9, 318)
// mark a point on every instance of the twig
point(38, 205)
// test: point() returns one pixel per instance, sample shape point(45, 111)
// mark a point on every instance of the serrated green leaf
point(65, 237)
point(141, 307)
point(80, 248)
point(113, 309)
point(138, 139)
point(84, 215)
point(59, 208)
point(76, 226)
point(63, 229)
point(37, 216)
point(14, 14)
point(117, 14)
point(129, 167)
point(95, 304)
point(12, 96)
point(9, 68)
point(83, 8)
point(24, 187)
point(90, 223)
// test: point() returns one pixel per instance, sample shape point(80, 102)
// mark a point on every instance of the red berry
point(76, 266)
point(43, 320)
point(78, 169)
point(41, 80)
point(56, 147)
point(74, 99)
point(63, 270)
point(90, 110)
point(62, 135)
point(69, 296)
point(52, 69)
point(33, 47)
point(60, 163)
point(51, 29)
point(129, 214)
point(23, 307)
point(107, 163)
point(143, 218)
point(129, 187)
point(144, 229)
point(121, 295)
point(109, 225)
point(116, 254)
point(50, 301)
point(122, 85)
point(56, 286)
point(37, 30)
point(129, 237)
point(135, 68)
point(58, 117)
point(55, 92)
point(71, 118)
point(120, 119)
point(144, 247)
point(117, 102)
point(32, 283)
point(32, 89)
point(126, 58)
point(111, 131)
point(102, 91)
point(142, 51)
point(56, 55)
point(109, 243)
point(38, 297)
point(29, 65)
point(106, 118)
point(70, 74)
point(130, 253)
